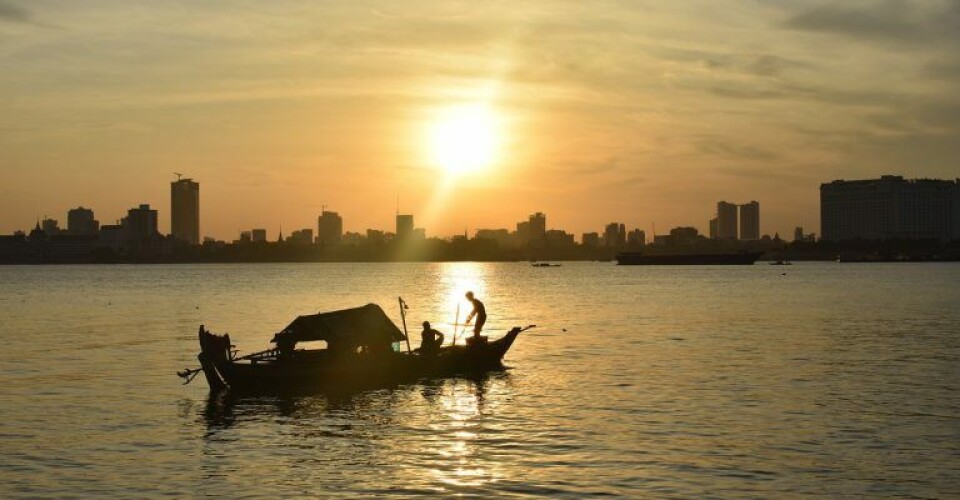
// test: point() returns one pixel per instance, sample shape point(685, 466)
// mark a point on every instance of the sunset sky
point(637, 112)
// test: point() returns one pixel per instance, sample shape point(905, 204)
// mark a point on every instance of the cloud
point(899, 21)
point(13, 13)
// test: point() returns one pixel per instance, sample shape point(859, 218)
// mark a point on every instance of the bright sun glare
point(464, 138)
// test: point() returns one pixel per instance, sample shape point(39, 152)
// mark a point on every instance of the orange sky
point(639, 112)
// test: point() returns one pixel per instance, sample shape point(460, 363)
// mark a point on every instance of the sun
point(464, 138)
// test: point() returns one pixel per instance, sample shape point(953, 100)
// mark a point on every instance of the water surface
point(829, 379)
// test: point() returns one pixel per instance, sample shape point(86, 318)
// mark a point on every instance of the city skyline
point(184, 198)
point(644, 113)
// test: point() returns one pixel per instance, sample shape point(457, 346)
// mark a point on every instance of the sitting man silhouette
point(430, 339)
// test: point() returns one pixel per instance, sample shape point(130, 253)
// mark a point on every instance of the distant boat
point(544, 264)
point(781, 262)
point(641, 259)
point(358, 354)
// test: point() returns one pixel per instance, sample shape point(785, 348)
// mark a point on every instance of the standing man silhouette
point(480, 312)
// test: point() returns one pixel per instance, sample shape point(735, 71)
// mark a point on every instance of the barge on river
point(643, 259)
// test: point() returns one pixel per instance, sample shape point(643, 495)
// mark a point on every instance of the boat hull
point(638, 259)
point(322, 369)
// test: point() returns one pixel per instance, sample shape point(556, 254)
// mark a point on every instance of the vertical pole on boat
point(456, 320)
point(403, 317)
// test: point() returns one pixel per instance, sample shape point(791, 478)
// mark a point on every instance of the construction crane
point(179, 175)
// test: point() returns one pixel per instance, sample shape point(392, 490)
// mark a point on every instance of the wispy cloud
point(900, 21)
point(12, 12)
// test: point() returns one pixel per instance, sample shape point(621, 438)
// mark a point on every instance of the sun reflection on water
point(463, 464)
point(458, 278)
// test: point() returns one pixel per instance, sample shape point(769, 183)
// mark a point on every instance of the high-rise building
point(140, 224)
point(258, 235)
point(538, 226)
point(404, 226)
point(714, 228)
point(615, 235)
point(185, 210)
point(750, 221)
point(890, 207)
point(80, 221)
point(726, 221)
point(329, 228)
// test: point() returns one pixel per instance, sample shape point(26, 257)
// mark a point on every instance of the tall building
point(404, 226)
point(890, 207)
point(750, 221)
point(615, 235)
point(714, 226)
point(258, 235)
point(538, 226)
point(80, 221)
point(726, 221)
point(140, 224)
point(329, 228)
point(185, 210)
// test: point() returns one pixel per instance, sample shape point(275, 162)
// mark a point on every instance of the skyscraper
point(726, 221)
point(80, 221)
point(404, 226)
point(185, 210)
point(750, 221)
point(329, 228)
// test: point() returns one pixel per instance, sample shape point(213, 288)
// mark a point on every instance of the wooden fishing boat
point(359, 352)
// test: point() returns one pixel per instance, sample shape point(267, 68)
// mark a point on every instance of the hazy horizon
point(642, 113)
